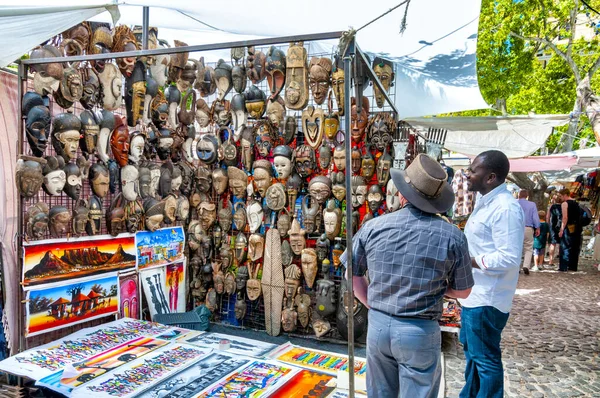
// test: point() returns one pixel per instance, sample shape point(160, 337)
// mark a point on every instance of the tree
point(113, 290)
point(39, 304)
point(97, 288)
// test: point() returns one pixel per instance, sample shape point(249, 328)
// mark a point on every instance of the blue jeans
point(403, 357)
point(480, 336)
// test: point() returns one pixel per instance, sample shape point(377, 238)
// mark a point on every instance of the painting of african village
point(76, 258)
point(161, 247)
point(55, 307)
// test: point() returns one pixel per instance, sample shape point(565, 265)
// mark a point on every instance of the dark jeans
point(480, 337)
point(570, 246)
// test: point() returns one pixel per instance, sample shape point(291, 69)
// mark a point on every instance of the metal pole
point(376, 80)
point(348, 146)
point(145, 26)
point(22, 76)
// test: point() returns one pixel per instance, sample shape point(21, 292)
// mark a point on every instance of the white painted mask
point(391, 196)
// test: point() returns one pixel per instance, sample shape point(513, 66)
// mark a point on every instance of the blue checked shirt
point(412, 257)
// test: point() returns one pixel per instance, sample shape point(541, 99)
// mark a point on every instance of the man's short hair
point(495, 162)
point(523, 193)
point(565, 191)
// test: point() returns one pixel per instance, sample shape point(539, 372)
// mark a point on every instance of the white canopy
point(434, 58)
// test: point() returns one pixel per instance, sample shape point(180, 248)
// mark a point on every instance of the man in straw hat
point(495, 232)
point(414, 258)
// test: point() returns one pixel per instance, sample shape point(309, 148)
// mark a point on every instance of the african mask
point(284, 222)
point(276, 197)
point(305, 161)
point(262, 176)
point(100, 43)
point(159, 69)
point(338, 250)
point(391, 197)
point(37, 220)
point(221, 113)
point(266, 137)
point(302, 302)
point(137, 143)
point(60, 221)
point(312, 124)
point(367, 166)
point(253, 285)
point(359, 120)
point(54, 175)
point(289, 317)
point(332, 218)
point(240, 216)
point(238, 78)
point(229, 150)
point(194, 233)
point(207, 214)
point(238, 181)
point(290, 129)
point(383, 168)
point(255, 65)
point(282, 160)
point(325, 297)
point(296, 84)
point(320, 188)
point(91, 89)
point(247, 147)
point(255, 215)
point(380, 131)
point(202, 115)
point(73, 186)
point(37, 122)
point(255, 102)
point(319, 77)
point(65, 135)
point(107, 125)
point(183, 208)
point(356, 160)
point(323, 246)
point(297, 241)
point(95, 214)
point(229, 283)
point(337, 83)
point(292, 280)
point(135, 94)
point(309, 266)
point(80, 218)
point(207, 149)
point(276, 112)
point(211, 299)
point(310, 213)
point(226, 255)
point(187, 76)
point(124, 40)
point(331, 124)
point(173, 98)
point(359, 310)
point(374, 198)
point(223, 79)
point(129, 182)
point(165, 184)
point(145, 183)
point(275, 66)
point(206, 82)
point(238, 111)
point(287, 255)
point(359, 191)
point(339, 185)
point(170, 209)
point(70, 89)
point(220, 180)
point(203, 179)
point(89, 132)
point(321, 327)
point(324, 157)
point(149, 98)
point(153, 214)
point(45, 84)
point(110, 85)
point(292, 186)
point(241, 248)
point(384, 70)
point(256, 246)
point(240, 307)
point(226, 217)
point(119, 142)
point(339, 157)
point(218, 277)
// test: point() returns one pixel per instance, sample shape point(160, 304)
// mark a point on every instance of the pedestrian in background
point(532, 228)
point(539, 243)
point(554, 220)
point(570, 233)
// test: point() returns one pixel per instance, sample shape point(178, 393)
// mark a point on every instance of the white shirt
point(495, 235)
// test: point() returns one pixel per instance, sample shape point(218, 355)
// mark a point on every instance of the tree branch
point(594, 68)
point(569, 60)
point(572, 27)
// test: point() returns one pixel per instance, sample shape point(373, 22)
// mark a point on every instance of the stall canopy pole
point(376, 80)
point(21, 79)
point(145, 27)
point(347, 143)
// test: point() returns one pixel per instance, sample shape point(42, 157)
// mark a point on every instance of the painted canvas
point(61, 259)
point(175, 287)
point(66, 304)
point(161, 247)
point(45, 360)
point(259, 379)
point(153, 283)
point(130, 299)
point(238, 345)
point(143, 373)
point(307, 384)
point(198, 376)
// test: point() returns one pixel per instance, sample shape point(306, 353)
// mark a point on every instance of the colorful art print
point(322, 361)
point(143, 373)
point(66, 304)
point(100, 364)
point(153, 284)
point(259, 379)
point(44, 360)
point(175, 334)
point(161, 247)
point(61, 259)
point(198, 377)
point(175, 286)
point(129, 306)
point(306, 384)
point(339, 393)
point(238, 345)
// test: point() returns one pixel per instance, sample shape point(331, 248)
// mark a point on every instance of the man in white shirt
point(495, 233)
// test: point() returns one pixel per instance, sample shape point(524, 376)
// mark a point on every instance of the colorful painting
point(339, 393)
point(153, 283)
point(307, 384)
point(61, 259)
point(44, 360)
point(259, 379)
point(66, 304)
point(198, 377)
point(143, 373)
point(238, 345)
point(129, 305)
point(322, 361)
point(161, 247)
point(175, 286)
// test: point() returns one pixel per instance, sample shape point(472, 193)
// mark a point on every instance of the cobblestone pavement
point(551, 344)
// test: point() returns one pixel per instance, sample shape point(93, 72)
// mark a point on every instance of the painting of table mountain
point(60, 259)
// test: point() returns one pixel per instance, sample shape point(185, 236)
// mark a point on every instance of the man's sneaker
point(535, 268)
point(526, 270)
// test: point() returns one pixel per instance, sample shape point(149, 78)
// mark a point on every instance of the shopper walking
point(532, 228)
point(570, 233)
point(495, 234)
point(413, 258)
point(554, 220)
point(539, 243)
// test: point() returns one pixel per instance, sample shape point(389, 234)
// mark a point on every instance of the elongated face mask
point(65, 135)
point(111, 84)
point(319, 78)
point(384, 71)
point(255, 216)
point(391, 197)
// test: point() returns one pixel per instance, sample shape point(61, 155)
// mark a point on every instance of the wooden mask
point(229, 283)
point(384, 70)
point(276, 197)
point(303, 305)
point(253, 285)
point(380, 131)
point(256, 246)
point(359, 119)
point(241, 248)
point(312, 124)
point(37, 220)
point(309, 266)
point(239, 217)
point(319, 78)
point(296, 78)
point(321, 327)
point(238, 181)
point(297, 241)
point(332, 218)
point(275, 65)
point(240, 307)
point(320, 188)
point(309, 213)
point(292, 280)
point(289, 316)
